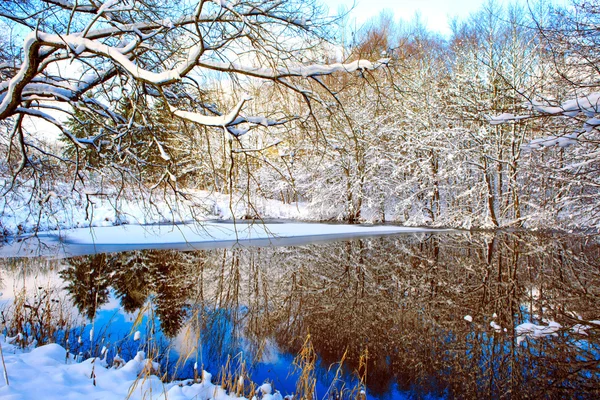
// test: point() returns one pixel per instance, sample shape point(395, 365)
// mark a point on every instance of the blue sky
point(435, 13)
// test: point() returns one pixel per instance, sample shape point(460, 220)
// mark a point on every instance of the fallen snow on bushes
point(529, 330)
point(47, 372)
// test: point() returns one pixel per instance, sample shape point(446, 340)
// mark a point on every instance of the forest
point(492, 126)
point(162, 160)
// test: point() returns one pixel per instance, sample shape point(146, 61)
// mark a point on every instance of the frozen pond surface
point(428, 314)
point(191, 236)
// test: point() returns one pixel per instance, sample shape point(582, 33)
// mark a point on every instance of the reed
point(37, 319)
point(305, 364)
point(43, 316)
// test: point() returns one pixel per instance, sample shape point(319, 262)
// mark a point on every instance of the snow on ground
point(64, 209)
point(70, 224)
point(47, 372)
point(188, 236)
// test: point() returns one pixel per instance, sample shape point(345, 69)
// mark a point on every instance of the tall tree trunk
point(490, 194)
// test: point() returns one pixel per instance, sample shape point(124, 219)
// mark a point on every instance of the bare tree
point(112, 64)
point(570, 90)
point(563, 106)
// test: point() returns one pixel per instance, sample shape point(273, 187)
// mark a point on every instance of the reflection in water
point(402, 301)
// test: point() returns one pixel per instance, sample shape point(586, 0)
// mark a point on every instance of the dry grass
point(234, 377)
point(45, 316)
point(305, 363)
point(38, 319)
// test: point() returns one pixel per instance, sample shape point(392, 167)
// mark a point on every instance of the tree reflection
point(88, 283)
point(131, 279)
point(134, 276)
point(403, 299)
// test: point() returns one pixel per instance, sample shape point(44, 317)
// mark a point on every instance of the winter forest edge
point(171, 105)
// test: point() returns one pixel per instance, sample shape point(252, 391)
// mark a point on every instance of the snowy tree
point(86, 59)
point(563, 105)
point(571, 39)
point(496, 56)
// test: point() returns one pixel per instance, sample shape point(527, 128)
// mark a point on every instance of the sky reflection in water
point(397, 302)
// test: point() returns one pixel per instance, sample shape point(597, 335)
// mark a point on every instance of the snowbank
point(48, 372)
point(62, 209)
point(218, 232)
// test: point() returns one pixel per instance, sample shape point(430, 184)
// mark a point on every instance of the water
point(392, 308)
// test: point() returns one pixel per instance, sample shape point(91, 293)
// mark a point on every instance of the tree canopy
point(109, 64)
point(494, 125)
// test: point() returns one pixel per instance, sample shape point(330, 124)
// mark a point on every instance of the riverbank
point(188, 236)
point(50, 372)
point(67, 210)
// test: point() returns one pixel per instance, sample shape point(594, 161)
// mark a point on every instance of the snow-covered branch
point(304, 71)
point(140, 50)
point(583, 110)
point(130, 88)
point(222, 120)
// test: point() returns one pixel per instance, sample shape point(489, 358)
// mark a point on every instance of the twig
point(4, 365)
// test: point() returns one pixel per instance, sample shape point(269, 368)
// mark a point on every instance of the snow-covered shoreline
point(68, 210)
point(64, 210)
point(49, 372)
point(190, 236)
